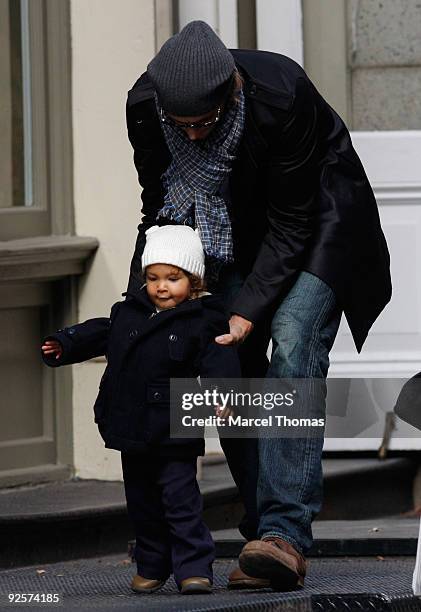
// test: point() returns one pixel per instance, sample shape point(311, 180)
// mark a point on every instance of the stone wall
point(384, 55)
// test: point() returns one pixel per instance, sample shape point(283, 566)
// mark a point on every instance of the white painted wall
point(221, 15)
point(393, 348)
point(279, 27)
point(112, 42)
point(391, 160)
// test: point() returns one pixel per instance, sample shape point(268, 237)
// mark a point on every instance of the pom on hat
point(176, 245)
point(192, 71)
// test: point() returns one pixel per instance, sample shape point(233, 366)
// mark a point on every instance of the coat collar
point(253, 142)
point(186, 308)
point(257, 93)
point(153, 320)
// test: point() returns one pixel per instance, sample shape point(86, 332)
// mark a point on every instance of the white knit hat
point(177, 245)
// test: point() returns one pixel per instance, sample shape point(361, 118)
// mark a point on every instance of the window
point(35, 151)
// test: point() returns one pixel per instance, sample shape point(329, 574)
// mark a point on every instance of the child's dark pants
point(164, 504)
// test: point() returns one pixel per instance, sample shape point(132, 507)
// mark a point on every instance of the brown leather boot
point(276, 560)
point(196, 584)
point(239, 580)
point(146, 585)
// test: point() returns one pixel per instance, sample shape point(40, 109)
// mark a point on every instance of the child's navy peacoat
point(144, 350)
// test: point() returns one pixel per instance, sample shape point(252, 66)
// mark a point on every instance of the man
point(242, 146)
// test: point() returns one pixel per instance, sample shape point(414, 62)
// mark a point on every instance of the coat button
point(157, 395)
point(253, 90)
point(71, 331)
point(133, 333)
point(173, 337)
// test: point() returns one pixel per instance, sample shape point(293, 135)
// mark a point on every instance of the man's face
point(196, 133)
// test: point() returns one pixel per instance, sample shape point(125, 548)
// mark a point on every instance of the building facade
point(69, 197)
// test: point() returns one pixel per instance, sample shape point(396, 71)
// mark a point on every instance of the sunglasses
point(193, 126)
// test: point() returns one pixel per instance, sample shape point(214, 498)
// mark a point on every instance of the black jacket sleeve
point(82, 341)
point(290, 179)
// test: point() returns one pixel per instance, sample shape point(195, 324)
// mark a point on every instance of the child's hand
point(52, 346)
point(224, 413)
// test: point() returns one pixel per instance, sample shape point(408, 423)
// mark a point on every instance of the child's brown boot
point(191, 586)
point(146, 585)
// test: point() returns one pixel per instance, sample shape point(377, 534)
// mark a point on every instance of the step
point(388, 536)
point(79, 518)
point(385, 486)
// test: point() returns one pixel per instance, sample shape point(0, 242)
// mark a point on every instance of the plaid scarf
point(194, 177)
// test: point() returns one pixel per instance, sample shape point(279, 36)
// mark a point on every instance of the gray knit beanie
point(192, 71)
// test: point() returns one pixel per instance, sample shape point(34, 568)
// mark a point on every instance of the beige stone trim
point(325, 52)
point(44, 257)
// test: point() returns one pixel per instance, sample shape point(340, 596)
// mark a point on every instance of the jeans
point(290, 480)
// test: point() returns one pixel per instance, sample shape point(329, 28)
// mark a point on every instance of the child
point(164, 329)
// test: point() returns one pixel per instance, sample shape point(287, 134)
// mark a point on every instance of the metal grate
point(342, 584)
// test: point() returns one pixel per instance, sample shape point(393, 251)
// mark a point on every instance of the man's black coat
point(144, 350)
point(300, 197)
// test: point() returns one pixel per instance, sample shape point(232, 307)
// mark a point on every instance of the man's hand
point(239, 330)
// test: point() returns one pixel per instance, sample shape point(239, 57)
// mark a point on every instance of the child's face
point(167, 285)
